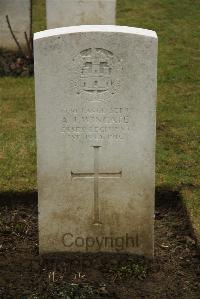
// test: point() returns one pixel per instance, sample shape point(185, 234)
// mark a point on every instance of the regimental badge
point(98, 74)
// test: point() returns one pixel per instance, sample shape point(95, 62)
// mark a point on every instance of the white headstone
point(96, 108)
point(18, 12)
point(80, 12)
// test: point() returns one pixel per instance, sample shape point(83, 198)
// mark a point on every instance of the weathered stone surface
point(96, 107)
point(80, 12)
point(18, 12)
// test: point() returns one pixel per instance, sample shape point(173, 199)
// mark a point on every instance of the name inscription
point(96, 124)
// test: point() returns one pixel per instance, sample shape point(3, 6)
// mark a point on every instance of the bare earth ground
point(174, 273)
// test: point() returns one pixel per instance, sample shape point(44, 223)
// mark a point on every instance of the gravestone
point(95, 111)
point(80, 12)
point(18, 12)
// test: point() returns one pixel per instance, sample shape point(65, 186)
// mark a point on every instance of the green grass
point(39, 14)
point(17, 156)
point(178, 110)
point(17, 134)
point(178, 126)
point(134, 267)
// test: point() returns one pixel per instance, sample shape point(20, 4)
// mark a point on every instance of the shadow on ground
point(165, 197)
point(174, 272)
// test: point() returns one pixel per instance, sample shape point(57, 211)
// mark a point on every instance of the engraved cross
point(96, 175)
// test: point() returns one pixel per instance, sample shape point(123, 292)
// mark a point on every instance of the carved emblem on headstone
point(98, 74)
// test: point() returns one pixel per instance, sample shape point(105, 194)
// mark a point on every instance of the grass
point(136, 268)
point(17, 156)
point(178, 126)
point(39, 23)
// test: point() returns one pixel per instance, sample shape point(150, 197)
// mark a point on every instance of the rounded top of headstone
point(94, 28)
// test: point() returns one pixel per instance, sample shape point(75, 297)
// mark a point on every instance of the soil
point(15, 64)
point(174, 273)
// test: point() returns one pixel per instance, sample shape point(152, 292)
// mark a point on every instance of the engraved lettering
point(97, 123)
